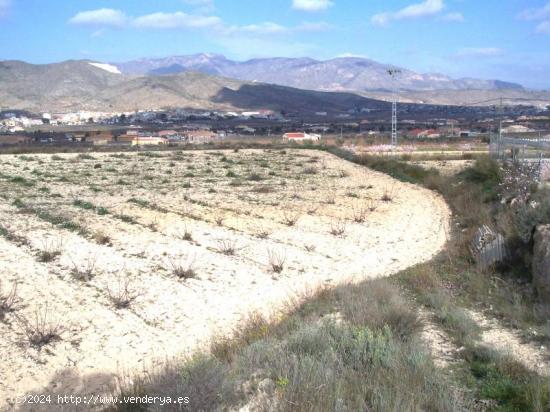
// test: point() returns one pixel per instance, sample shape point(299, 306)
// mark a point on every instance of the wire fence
point(532, 150)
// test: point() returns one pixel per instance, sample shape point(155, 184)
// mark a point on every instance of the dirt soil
point(140, 221)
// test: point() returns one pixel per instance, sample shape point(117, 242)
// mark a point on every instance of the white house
point(300, 137)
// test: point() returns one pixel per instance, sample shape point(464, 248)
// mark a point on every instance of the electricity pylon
point(393, 74)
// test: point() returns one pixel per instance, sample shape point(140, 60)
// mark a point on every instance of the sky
point(498, 39)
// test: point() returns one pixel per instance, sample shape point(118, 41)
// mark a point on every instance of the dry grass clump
point(277, 260)
point(310, 171)
point(338, 228)
point(9, 300)
point(184, 267)
point(86, 270)
point(219, 219)
point(389, 194)
point(378, 303)
point(290, 218)
point(51, 248)
point(186, 234)
point(263, 189)
point(310, 248)
point(372, 205)
point(101, 238)
point(122, 294)
point(263, 234)
point(227, 247)
point(41, 329)
point(359, 213)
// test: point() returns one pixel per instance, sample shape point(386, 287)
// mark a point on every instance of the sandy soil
point(178, 192)
point(507, 341)
point(441, 348)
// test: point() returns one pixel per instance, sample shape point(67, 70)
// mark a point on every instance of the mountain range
point(344, 73)
point(86, 85)
point(212, 82)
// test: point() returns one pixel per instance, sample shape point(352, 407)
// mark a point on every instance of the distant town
point(181, 126)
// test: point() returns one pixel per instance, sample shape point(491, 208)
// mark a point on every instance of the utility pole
point(499, 128)
point(393, 74)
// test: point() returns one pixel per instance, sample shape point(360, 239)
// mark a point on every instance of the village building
point(200, 136)
point(516, 129)
point(300, 137)
point(149, 141)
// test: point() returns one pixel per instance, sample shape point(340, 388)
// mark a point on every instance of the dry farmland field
point(111, 263)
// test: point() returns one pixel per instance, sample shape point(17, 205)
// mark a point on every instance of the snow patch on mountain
point(107, 67)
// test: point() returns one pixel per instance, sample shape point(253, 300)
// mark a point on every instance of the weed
point(255, 177)
point(51, 248)
point(8, 301)
point(139, 202)
point(359, 213)
point(184, 267)
point(337, 228)
point(290, 218)
point(277, 260)
point(310, 248)
point(41, 330)
point(82, 204)
point(219, 219)
point(20, 180)
point(102, 239)
point(263, 189)
point(227, 247)
point(389, 194)
point(122, 295)
point(86, 271)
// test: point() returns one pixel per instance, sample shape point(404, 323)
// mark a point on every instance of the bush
point(41, 330)
point(506, 381)
point(536, 212)
point(486, 173)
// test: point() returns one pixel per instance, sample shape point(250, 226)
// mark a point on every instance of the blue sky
point(504, 39)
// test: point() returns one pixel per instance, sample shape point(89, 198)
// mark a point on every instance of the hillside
point(79, 85)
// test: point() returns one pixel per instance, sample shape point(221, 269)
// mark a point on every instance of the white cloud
point(4, 7)
point(542, 13)
point(424, 9)
point(543, 28)
point(536, 13)
point(275, 28)
point(312, 5)
point(104, 18)
point(262, 28)
point(479, 52)
point(100, 17)
point(178, 20)
point(453, 17)
point(351, 55)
